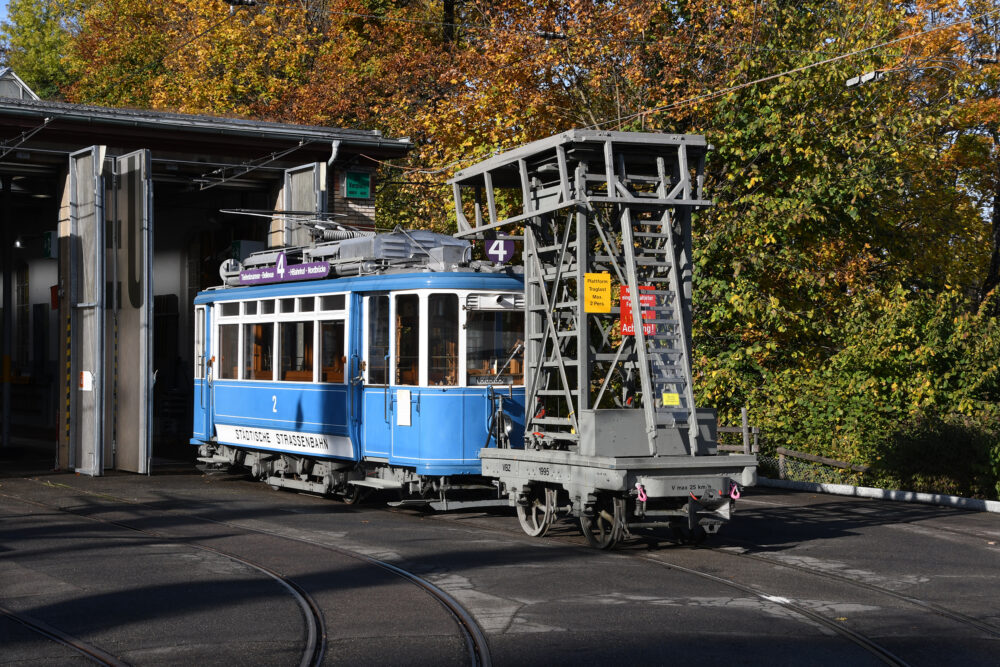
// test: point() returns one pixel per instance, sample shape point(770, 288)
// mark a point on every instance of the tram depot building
point(113, 219)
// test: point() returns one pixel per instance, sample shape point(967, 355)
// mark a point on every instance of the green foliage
point(36, 35)
point(914, 391)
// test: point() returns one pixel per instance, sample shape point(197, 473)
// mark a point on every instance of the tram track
point(475, 640)
point(85, 649)
point(315, 643)
point(874, 648)
point(932, 607)
point(473, 637)
point(869, 645)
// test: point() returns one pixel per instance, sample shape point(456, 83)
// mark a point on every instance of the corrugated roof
point(199, 123)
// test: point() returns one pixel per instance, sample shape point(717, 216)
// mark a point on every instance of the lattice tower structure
point(611, 210)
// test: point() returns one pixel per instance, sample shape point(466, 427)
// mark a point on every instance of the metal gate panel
point(134, 311)
point(87, 275)
point(305, 198)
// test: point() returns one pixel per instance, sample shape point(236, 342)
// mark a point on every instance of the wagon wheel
point(604, 529)
point(354, 494)
point(536, 517)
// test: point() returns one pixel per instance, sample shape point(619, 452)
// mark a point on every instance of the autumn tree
point(36, 35)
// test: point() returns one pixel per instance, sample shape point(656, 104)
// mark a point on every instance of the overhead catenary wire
point(10, 145)
point(210, 180)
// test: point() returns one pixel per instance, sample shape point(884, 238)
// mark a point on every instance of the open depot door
point(112, 311)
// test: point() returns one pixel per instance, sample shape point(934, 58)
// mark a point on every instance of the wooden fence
point(751, 445)
point(748, 432)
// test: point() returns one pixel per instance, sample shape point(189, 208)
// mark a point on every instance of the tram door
point(377, 409)
point(203, 373)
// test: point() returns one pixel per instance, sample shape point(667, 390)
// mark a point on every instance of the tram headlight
point(506, 424)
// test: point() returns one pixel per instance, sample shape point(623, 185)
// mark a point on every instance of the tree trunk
point(449, 21)
point(993, 273)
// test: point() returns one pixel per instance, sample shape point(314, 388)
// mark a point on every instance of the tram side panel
point(438, 431)
point(267, 406)
point(307, 419)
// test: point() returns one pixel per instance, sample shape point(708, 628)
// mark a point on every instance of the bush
point(911, 388)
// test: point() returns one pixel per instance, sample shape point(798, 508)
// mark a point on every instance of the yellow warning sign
point(671, 400)
point(597, 293)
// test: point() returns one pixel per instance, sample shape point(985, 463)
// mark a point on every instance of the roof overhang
point(54, 128)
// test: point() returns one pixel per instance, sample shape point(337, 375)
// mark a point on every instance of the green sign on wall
point(358, 185)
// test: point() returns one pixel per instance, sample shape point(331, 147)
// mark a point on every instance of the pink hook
point(734, 491)
point(642, 492)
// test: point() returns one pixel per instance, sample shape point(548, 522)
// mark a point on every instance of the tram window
point(250, 308)
point(408, 339)
point(442, 339)
point(229, 351)
point(378, 340)
point(267, 307)
point(230, 308)
point(492, 339)
point(332, 302)
point(306, 304)
point(288, 305)
point(296, 351)
point(331, 341)
point(258, 351)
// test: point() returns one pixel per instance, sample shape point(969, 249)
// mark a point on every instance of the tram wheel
point(536, 517)
point(606, 527)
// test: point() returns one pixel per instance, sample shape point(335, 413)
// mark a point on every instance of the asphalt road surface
point(219, 570)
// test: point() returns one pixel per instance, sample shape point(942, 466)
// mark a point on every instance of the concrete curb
point(884, 494)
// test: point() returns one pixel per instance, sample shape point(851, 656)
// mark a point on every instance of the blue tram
point(365, 362)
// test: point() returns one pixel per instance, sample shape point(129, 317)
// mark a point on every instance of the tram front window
point(442, 339)
point(493, 342)
point(297, 351)
point(258, 351)
point(408, 339)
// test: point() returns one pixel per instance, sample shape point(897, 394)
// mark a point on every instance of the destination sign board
point(282, 272)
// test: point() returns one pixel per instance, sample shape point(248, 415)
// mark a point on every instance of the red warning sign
point(645, 301)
